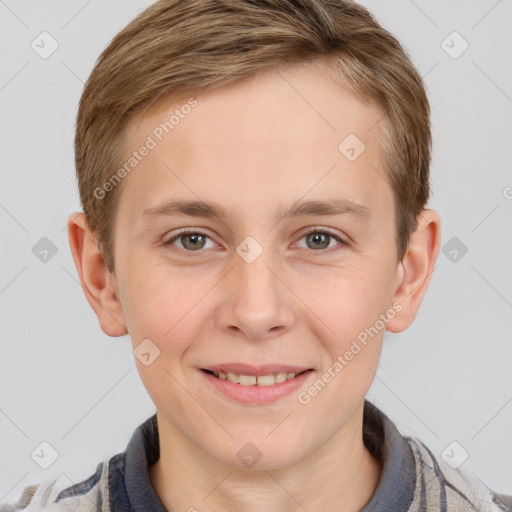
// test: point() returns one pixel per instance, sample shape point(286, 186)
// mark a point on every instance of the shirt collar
point(394, 492)
point(143, 451)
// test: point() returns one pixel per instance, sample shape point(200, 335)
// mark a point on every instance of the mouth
point(256, 385)
point(260, 377)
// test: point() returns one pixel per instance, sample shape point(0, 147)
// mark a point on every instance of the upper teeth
point(252, 380)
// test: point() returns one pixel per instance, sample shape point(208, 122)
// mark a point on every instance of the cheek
point(351, 331)
point(345, 301)
point(348, 306)
point(165, 309)
point(158, 301)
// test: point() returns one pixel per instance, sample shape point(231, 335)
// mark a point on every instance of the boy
point(217, 143)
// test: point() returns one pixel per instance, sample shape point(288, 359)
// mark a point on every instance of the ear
point(98, 283)
point(415, 269)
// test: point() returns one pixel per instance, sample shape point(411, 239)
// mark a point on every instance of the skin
point(255, 148)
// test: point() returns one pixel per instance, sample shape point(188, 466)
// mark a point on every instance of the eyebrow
point(298, 208)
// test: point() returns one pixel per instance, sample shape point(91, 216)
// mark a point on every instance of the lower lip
point(257, 394)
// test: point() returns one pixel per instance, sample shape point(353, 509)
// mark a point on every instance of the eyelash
point(322, 231)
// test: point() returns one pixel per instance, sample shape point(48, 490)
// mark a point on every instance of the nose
point(257, 304)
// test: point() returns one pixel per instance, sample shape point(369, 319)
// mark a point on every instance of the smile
point(260, 388)
point(253, 380)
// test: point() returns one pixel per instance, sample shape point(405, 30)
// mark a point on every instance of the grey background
point(447, 378)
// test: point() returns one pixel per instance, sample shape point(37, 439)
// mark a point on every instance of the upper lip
point(256, 370)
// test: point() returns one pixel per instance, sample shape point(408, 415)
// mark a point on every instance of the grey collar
point(394, 492)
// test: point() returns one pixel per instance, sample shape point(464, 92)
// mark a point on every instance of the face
point(294, 257)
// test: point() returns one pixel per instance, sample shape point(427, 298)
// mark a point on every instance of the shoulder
point(440, 485)
point(55, 495)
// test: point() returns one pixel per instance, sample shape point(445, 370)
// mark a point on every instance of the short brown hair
point(180, 48)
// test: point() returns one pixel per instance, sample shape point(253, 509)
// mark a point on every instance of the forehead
point(281, 133)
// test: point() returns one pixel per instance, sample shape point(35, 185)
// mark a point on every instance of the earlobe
point(416, 269)
point(96, 281)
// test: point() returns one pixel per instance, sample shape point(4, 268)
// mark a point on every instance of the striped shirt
point(412, 479)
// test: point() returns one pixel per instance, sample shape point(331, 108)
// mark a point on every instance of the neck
point(340, 475)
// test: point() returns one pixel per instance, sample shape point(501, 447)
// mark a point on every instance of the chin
point(259, 456)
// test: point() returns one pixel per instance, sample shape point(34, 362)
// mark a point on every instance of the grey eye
point(318, 240)
point(191, 241)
